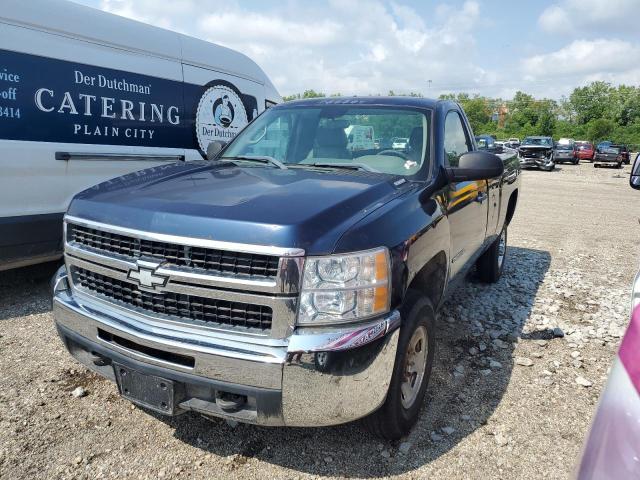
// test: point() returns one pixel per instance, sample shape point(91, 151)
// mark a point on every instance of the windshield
point(564, 146)
point(338, 134)
point(536, 141)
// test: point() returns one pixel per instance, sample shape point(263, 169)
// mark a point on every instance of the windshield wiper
point(346, 166)
point(258, 158)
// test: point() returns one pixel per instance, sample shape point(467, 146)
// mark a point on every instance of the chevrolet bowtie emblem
point(144, 273)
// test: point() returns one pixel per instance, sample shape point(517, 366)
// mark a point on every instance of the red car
point(586, 150)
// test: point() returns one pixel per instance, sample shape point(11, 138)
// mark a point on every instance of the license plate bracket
point(155, 393)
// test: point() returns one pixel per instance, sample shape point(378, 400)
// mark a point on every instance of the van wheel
point(411, 371)
point(491, 264)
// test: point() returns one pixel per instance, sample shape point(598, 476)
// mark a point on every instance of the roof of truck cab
point(372, 101)
point(89, 24)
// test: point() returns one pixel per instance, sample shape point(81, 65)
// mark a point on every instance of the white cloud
point(351, 47)
point(570, 16)
point(581, 62)
point(555, 19)
point(584, 57)
point(373, 46)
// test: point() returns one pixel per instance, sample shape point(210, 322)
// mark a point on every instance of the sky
point(360, 47)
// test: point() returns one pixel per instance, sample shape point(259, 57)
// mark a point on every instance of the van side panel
point(79, 106)
point(221, 104)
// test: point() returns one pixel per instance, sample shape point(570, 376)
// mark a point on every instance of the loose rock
point(79, 392)
point(524, 361)
point(583, 381)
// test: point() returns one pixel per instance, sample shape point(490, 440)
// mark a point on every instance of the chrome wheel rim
point(502, 248)
point(415, 365)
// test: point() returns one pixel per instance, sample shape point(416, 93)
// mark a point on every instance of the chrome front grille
point(200, 282)
point(195, 308)
point(207, 259)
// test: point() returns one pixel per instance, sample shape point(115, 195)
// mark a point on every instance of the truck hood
point(262, 205)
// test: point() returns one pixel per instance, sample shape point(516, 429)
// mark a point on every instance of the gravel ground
point(520, 365)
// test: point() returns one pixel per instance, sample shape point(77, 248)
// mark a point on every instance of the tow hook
point(99, 360)
point(230, 402)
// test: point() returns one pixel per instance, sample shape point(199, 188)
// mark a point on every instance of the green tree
point(595, 112)
point(600, 129)
point(592, 102)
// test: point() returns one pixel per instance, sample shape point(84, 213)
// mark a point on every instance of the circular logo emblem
point(220, 115)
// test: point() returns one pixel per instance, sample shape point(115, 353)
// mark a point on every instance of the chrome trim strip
point(190, 241)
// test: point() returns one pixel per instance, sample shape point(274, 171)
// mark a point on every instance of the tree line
point(595, 112)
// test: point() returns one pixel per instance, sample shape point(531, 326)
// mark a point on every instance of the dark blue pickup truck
point(293, 277)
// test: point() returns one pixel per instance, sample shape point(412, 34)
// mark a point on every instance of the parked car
point(295, 289)
point(92, 96)
point(487, 142)
point(610, 156)
point(537, 152)
point(624, 151)
point(400, 143)
point(585, 150)
point(514, 142)
point(612, 447)
point(565, 151)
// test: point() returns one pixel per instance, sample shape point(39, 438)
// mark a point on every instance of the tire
point(395, 418)
point(491, 264)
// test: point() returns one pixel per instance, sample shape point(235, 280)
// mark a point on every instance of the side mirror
point(476, 166)
point(634, 180)
point(213, 149)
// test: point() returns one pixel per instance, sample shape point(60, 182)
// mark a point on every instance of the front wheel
point(411, 371)
point(491, 263)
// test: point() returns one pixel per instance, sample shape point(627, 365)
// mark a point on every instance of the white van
point(86, 96)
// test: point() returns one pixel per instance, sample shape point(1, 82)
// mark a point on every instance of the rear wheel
point(411, 371)
point(491, 264)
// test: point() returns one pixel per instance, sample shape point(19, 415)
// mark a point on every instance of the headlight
point(345, 288)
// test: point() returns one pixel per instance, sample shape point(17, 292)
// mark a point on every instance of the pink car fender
point(612, 449)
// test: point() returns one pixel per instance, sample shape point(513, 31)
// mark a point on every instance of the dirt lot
point(504, 401)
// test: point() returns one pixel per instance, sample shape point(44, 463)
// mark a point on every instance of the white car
point(400, 143)
point(88, 96)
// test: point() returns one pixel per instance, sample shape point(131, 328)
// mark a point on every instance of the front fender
point(415, 229)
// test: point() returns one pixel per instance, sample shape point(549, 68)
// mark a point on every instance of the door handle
point(66, 156)
point(482, 196)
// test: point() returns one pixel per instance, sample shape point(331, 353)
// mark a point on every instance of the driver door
point(467, 206)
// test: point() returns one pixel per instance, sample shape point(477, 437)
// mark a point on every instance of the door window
point(455, 138)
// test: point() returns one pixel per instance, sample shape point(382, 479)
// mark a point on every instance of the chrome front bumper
point(526, 162)
point(315, 377)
